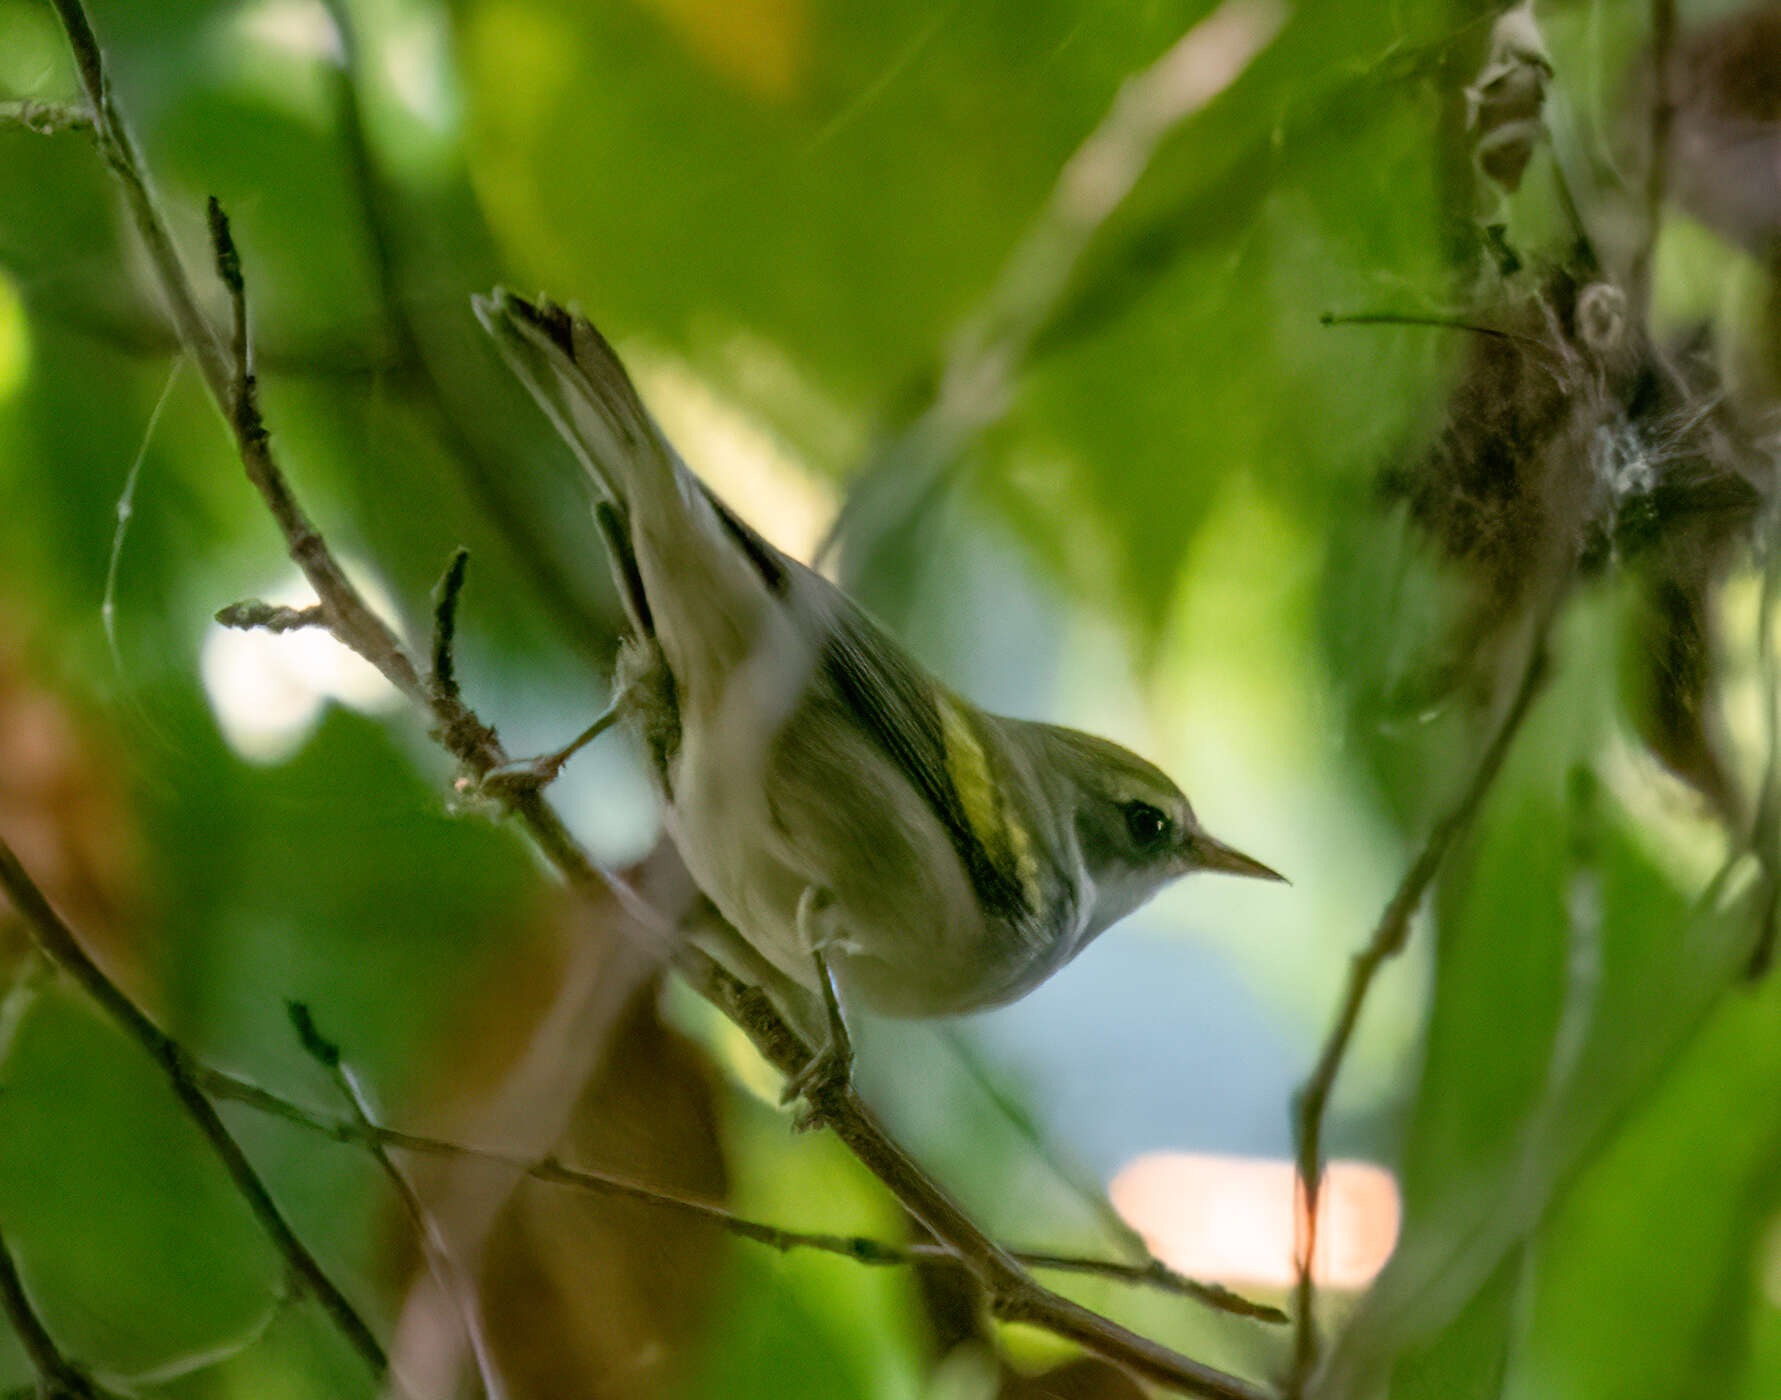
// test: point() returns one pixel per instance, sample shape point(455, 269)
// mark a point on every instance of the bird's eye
point(1147, 826)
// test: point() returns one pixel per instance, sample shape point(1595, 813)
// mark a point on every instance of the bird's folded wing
point(932, 738)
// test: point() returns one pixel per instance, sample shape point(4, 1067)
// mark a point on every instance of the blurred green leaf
point(137, 1248)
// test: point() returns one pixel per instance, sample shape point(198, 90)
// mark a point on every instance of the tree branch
point(550, 1171)
point(1013, 1293)
point(61, 947)
point(349, 617)
point(451, 1277)
point(58, 1378)
point(1389, 937)
point(119, 152)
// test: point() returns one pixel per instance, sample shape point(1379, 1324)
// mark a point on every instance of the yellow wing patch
point(987, 811)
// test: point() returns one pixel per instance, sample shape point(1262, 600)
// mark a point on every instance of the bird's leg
point(521, 773)
point(830, 1068)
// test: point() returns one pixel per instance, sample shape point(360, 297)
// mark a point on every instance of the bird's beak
point(1209, 853)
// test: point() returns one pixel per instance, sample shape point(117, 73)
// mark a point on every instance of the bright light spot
point(743, 460)
point(302, 28)
point(268, 690)
point(1232, 1218)
point(416, 64)
point(15, 344)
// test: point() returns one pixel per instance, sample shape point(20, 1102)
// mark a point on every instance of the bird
point(869, 835)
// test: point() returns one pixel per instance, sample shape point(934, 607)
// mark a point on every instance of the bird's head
point(1134, 828)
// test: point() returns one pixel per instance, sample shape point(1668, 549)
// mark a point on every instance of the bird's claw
point(523, 777)
point(826, 1076)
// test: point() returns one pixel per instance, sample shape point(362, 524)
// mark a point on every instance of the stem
point(1389, 937)
point(58, 1377)
point(59, 945)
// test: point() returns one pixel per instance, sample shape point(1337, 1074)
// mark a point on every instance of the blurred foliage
point(787, 212)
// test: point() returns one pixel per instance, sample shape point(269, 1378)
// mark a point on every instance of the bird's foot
point(826, 1077)
point(521, 777)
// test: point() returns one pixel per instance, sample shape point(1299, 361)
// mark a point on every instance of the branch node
point(316, 1045)
point(443, 682)
point(253, 615)
point(228, 257)
point(47, 118)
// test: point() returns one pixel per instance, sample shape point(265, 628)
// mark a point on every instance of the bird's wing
point(933, 739)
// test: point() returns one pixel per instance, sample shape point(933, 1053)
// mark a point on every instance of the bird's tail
point(581, 385)
point(693, 574)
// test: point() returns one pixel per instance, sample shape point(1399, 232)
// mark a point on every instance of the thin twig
point(1406, 318)
point(1480, 1221)
point(58, 1378)
point(60, 946)
point(349, 617)
point(228, 272)
point(1212, 1294)
point(1389, 937)
point(861, 1249)
point(442, 680)
point(251, 615)
point(453, 1281)
point(119, 152)
point(46, 118)
point(1013, 1294)
point(1156, 1274)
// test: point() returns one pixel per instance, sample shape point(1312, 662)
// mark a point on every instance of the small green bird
point(845, 811)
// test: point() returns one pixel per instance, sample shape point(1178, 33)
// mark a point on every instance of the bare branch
point(1013, 1294)
point(446, 1271)
point(1148, 1269)
point(1389, 937)
point(228, 271)
point(549, 1171)
point(348, 615)
point(252, 614)
point(441, 681)
point(119, 152)
point(61, 947)
point(58, 1378)
point(46, 118)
